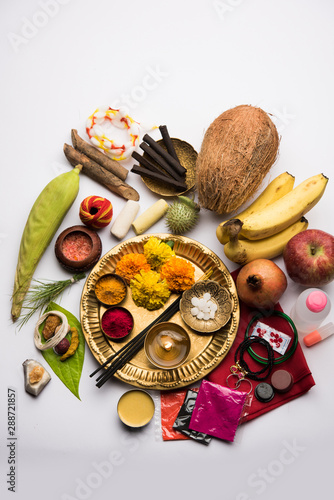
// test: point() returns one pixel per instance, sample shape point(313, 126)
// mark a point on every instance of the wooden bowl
point(78, 248)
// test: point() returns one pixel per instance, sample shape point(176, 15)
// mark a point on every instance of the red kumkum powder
point(77, 246)
point(117, 322)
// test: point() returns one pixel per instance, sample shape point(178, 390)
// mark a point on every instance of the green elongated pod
point(44, 219)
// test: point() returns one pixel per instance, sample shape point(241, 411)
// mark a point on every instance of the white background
point(209, 56)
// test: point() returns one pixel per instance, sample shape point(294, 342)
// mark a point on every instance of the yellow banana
point(277, 188)
point(285, 211)
point(244, 251)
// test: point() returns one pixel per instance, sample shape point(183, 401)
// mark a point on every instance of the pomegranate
point(261, 283)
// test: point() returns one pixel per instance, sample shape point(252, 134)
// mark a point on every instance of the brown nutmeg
point(78, 248)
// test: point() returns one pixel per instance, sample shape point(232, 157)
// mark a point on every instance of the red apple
point(309, 258)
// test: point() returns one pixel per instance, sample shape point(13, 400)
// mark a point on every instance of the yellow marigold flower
point(149, 290)
point(179, 274)
point(157, 252)
point(130, 265)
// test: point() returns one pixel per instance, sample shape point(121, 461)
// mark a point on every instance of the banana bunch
point(265, 227)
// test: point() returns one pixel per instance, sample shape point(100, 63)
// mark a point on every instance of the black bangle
point(288, 354)
point(241, 363)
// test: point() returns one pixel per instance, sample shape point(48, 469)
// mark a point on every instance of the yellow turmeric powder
point(110, 289)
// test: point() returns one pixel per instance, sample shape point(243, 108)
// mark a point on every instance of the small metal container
point(117, 330)
point(107, 297)
point(219, 295)
point(167, 345)
point(135, 408)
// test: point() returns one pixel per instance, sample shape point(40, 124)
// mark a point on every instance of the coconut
point(238, 149)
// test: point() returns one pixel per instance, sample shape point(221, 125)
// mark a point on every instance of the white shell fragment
point(204, 308)
point(35, 376)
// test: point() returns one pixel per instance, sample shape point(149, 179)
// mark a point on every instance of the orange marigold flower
point(130, 265)
point(178, 273)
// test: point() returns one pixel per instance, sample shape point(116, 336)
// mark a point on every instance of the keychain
point(241, 370)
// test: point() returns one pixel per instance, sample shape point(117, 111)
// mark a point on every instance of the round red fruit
point(309, 258)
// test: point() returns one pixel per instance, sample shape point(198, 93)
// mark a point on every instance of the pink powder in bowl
point(77, 246)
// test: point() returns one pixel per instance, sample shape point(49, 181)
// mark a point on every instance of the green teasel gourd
point(44, 219)
point(182, 215)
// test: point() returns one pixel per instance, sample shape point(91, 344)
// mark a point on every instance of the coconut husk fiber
point(238, 150)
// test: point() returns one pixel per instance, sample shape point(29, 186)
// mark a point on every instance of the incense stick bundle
point(161, 161)
point(158, 176)
point(144, 162)
point(175, 164)
point(168, 142)
point(170, 171)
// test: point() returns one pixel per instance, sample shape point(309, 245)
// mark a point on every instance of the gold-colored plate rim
point(207, 351)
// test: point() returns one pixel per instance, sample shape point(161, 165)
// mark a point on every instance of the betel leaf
point(69, 371)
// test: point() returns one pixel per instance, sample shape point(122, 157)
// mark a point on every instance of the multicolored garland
point(120, 119)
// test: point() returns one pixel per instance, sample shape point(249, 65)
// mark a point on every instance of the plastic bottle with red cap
point(310, 310)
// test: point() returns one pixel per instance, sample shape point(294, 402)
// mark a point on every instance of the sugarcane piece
point(100, 175)
point(150, 216)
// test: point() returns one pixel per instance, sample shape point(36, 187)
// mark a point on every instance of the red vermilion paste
point(77, 246)
point(117, 322)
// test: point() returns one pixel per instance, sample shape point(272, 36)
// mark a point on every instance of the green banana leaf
point(69, 371)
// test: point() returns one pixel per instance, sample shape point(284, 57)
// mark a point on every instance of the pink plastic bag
point(217, 410)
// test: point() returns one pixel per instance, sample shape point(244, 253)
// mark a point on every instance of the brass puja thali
point(207, 350)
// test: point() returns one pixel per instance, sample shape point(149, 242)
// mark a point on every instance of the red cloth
point(296, 364)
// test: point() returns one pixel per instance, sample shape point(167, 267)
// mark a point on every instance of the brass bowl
point(116, 332)
point(219, 295)
point(167, 345)
point(187, 157)
point(108, 299)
